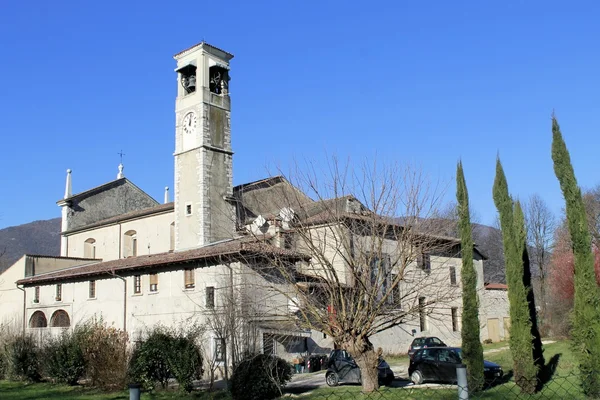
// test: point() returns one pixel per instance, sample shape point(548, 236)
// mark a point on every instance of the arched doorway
point(60, 319)
point(38, 320)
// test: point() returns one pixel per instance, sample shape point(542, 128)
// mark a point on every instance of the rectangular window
point(59, 292)
point(396, 295)
point(189, 278)
point(424, 261)
point(453, 276)
point(422, 314)
point(137, 284)
point(36, 295)
point(210, 297)
point(92, 291)
point(134, 246)
point(454, 311)
point(154, 282)
point(219, 349)
point(188, 209)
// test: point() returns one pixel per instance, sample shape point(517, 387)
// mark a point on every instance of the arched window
point(38, 320)
point(89, 248)
point(172, 237)
point(130, 244)
point(60, 319)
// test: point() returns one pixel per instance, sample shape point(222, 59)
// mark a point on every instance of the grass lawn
point(25, 391)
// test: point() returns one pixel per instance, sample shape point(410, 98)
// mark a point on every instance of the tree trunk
point(367, 360)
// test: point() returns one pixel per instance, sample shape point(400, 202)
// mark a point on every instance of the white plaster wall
point(153, 236)
point(172, 305)
point(11, 298)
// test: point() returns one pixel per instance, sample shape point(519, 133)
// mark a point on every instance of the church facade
point(137, 263)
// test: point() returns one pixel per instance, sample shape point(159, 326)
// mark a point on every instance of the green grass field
point(563, 385)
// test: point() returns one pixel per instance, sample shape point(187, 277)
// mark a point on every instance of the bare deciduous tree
point(376, 260)
point(541, 224)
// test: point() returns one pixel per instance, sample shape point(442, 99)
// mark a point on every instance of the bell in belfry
point(191, 84)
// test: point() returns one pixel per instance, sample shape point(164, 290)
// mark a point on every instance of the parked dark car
point(439, 364)
point(341, 368)
point(424, 342)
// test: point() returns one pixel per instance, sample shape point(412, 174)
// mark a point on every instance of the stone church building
point(137, 263)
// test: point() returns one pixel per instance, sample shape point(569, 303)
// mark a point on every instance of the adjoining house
point(206, 258)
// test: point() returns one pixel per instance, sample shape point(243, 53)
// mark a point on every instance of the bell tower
point(204, 211)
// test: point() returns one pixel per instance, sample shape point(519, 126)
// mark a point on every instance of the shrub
point(63, 359)
point(166, 354)
point(22, 357)
point(105, 353)
point(2, 365)
point(260, 377)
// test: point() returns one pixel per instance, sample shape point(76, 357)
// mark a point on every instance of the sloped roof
point(127, 216)
point(496, 286)
point(239, 247)
point(203, 43)
point(268, 196)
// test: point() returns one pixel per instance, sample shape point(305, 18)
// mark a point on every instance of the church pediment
point(106, 201)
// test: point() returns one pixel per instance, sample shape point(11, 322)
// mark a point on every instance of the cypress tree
point(524, 368)
point(471, 342)
point(586, 312)
point(521, 242)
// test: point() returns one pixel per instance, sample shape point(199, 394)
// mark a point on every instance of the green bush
point(260, 377)
point(63, 359)
point(22, 357)
point(164, 355)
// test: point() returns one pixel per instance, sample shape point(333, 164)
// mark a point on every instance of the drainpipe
point(24, 308)
point(124, 300)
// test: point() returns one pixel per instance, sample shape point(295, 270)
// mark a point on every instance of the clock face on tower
point(189, 122)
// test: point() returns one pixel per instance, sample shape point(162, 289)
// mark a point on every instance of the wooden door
point(494, 329)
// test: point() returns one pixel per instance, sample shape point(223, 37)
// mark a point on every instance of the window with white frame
point(137, 284)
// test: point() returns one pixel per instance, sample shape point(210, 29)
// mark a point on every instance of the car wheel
point(332, 379)
point(387, 381)
point(416, 377)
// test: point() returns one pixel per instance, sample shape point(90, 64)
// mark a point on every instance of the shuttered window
point(189, 278)
point(153, 282)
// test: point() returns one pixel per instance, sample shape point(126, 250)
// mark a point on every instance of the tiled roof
point(331, 216)
point(130, 215)
point(496, 286)
point(205, 44)
point(240, 247)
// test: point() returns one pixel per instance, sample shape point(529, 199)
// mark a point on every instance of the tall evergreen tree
point(471, 342)
point(521, 243)
point(524, 368)
point(586, 313)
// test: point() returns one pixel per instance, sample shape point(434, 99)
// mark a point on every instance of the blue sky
point(424, 82)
